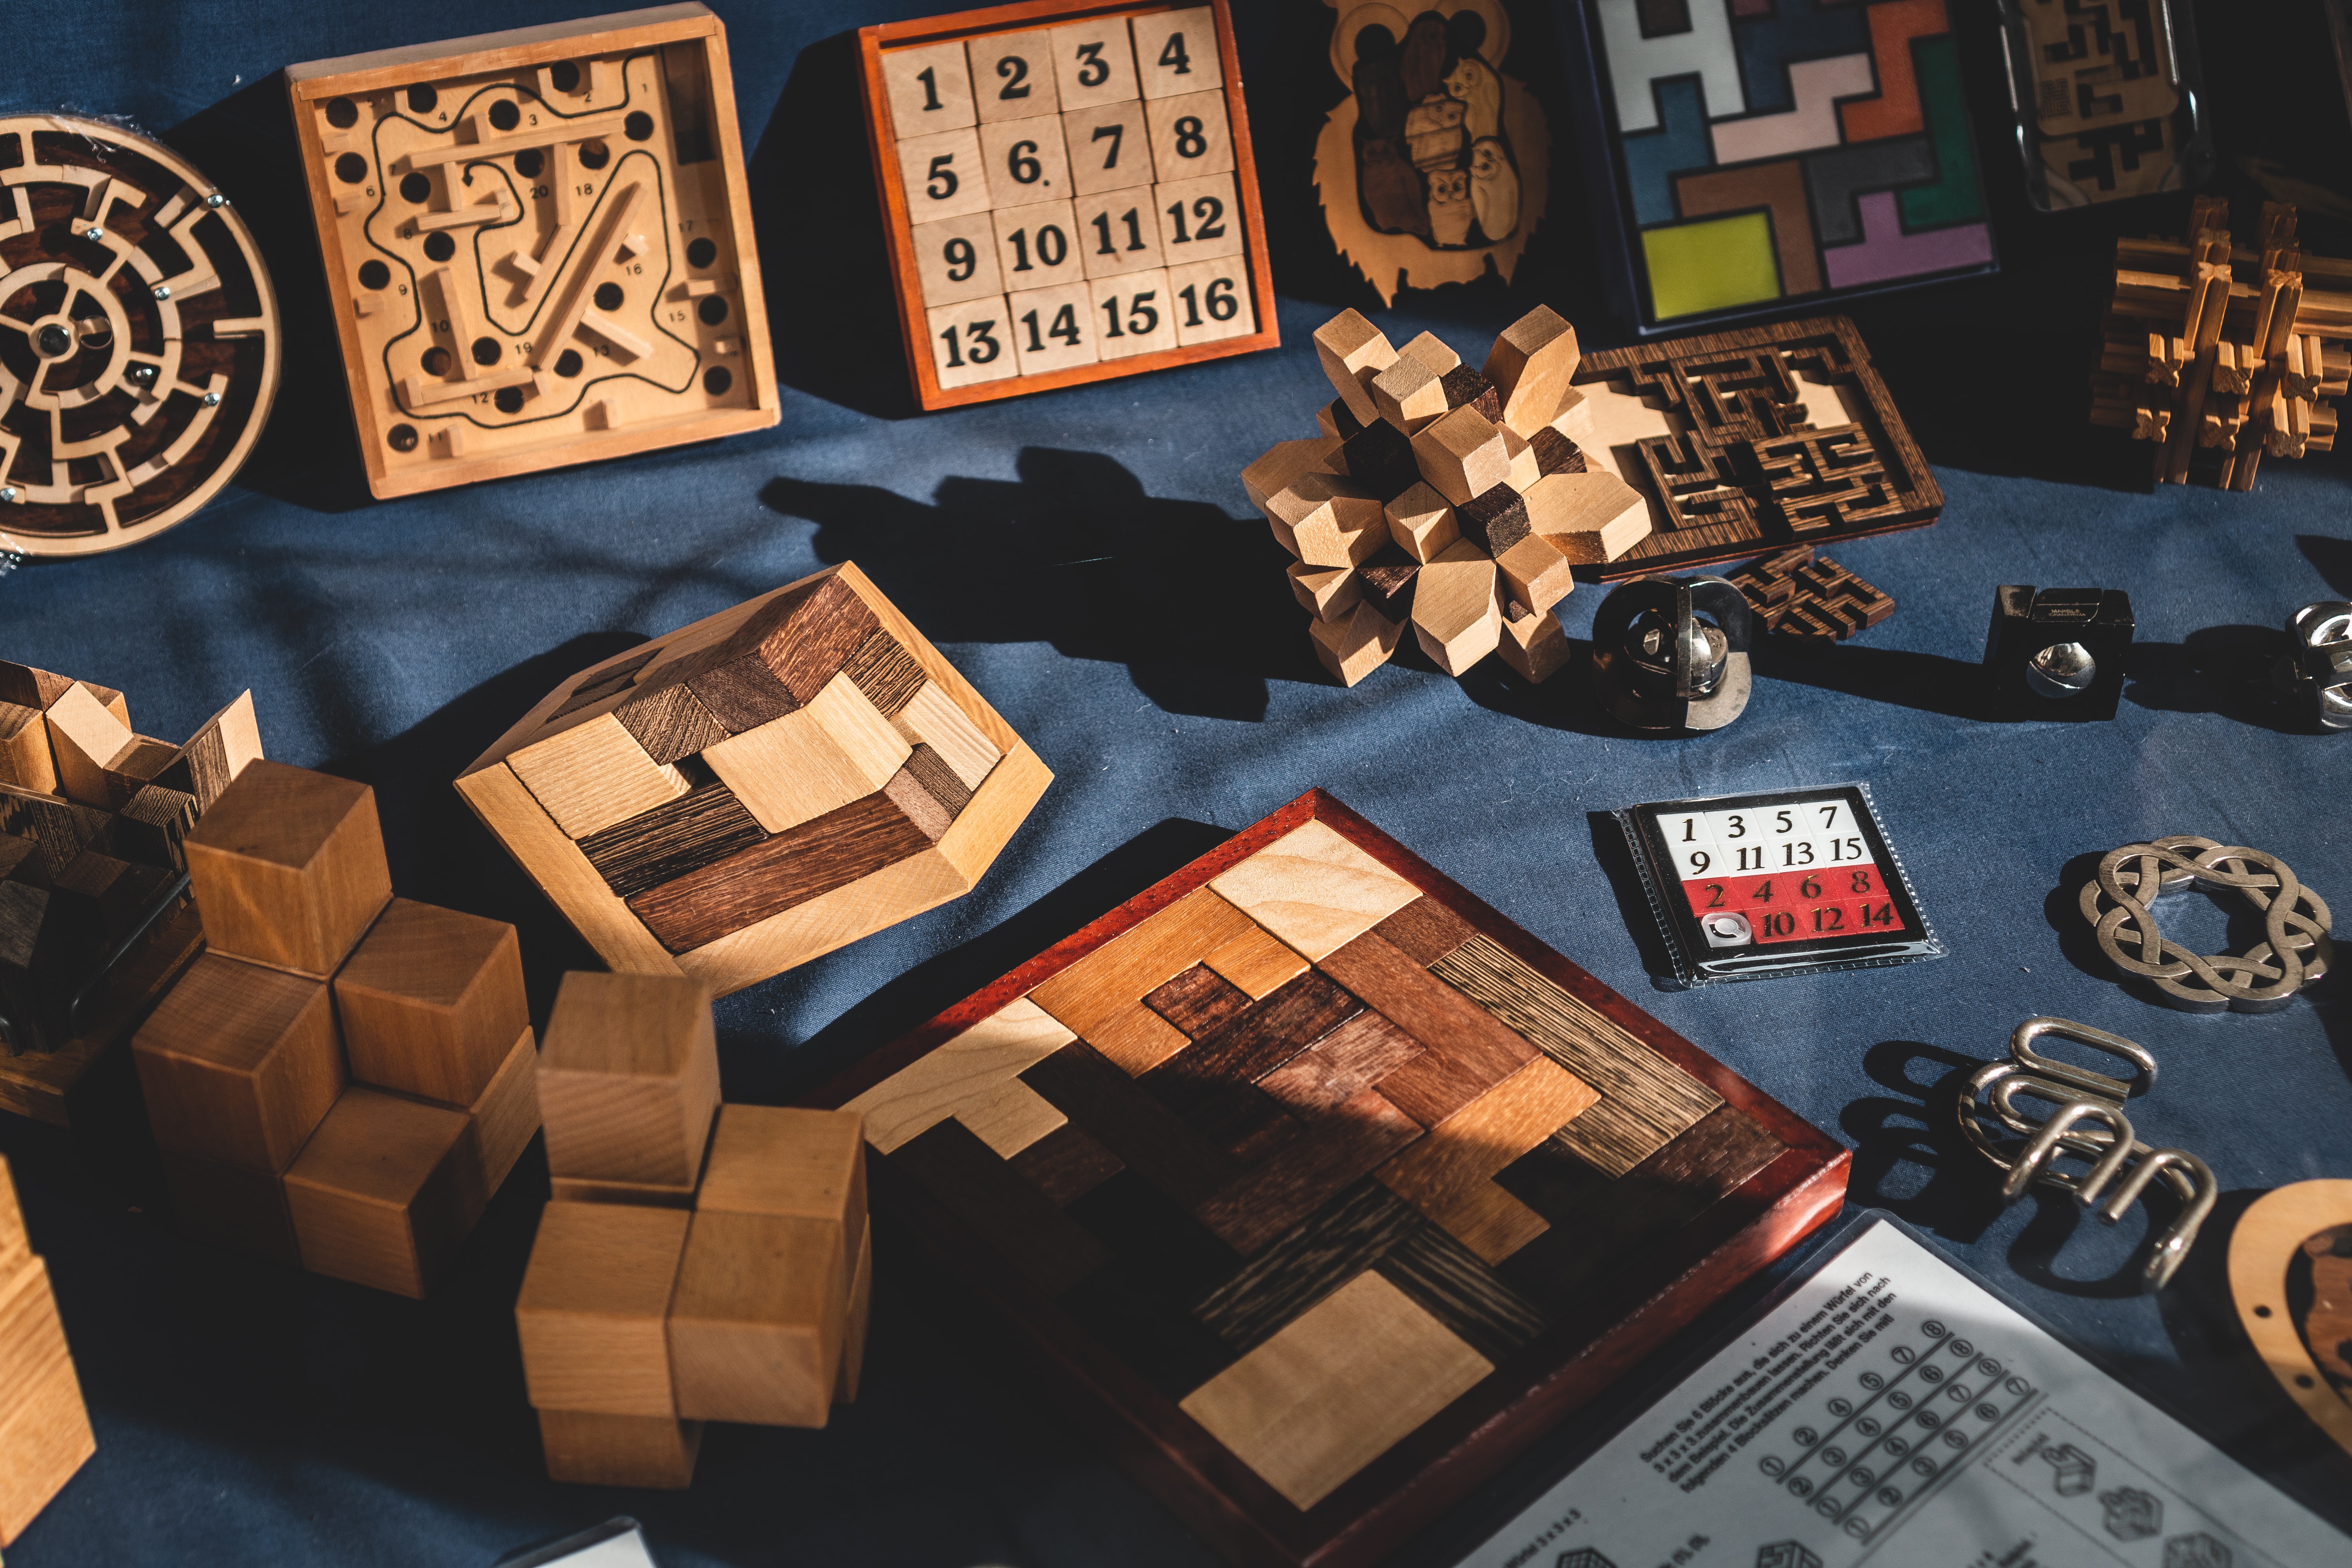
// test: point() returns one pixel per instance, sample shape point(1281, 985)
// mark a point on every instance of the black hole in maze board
point(374, 275)
point(713, 310)
point(595, 155)
point(568, 363)
point(416, 188)
point(716, 380)
point(403, 437)
point(527, 164)
point(421, 98)
point(701, 253)
point(510, 400)
point(638, 125)
point(436, 361)
point(440, 246)
point(565, 76)
point(504, 115)
point(487, 351)
point(351, 168)
point(343, 113)
point(608, 296)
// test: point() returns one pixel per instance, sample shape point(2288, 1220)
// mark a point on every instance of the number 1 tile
point(928, 89)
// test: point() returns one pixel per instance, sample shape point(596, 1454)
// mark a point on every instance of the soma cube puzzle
point(1068, 195)
point(538, 246)
point(757, 788)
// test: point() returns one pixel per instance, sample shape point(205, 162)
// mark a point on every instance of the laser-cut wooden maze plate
point(1321, 1188)
point(1068, 195)
point(1754, 440)
point(538, 244)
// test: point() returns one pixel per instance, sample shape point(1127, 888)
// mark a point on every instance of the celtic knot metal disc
point(139, 337)
point(2296, 951)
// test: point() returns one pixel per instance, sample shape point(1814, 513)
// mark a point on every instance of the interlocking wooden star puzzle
point(538, 244)
point(1321, 1187)
point(1067, 193)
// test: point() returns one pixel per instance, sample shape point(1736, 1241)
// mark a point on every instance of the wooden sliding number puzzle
point(539, 245)
point(1324, 1187)
point(1068, 195)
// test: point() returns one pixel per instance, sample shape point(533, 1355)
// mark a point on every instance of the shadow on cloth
point(1075, 555)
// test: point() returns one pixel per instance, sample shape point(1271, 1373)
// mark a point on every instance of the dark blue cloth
point(1088, 560)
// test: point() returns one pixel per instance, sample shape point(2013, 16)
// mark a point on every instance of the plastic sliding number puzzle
point(1788, 882)
point(1067, 193)
point(1744, 153)
point(1321, 1187)
point(539, 245)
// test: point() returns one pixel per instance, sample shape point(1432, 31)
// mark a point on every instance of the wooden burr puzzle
point(1068, 195)
point(2217, 353)
point(1460, 502)
point(344, 1078)
point(538, 244)
point(139, 337)
point(95, 920)
point(699, 1262)
point(757, 788)
point(1323, 1188)
point(45, 1432)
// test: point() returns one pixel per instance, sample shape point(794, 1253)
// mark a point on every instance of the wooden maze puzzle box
point(1320, 1189)
point(1747, 153)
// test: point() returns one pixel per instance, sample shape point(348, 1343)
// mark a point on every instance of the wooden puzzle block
point(1283, 463)
point(87, 744)
point(1409, 395)
point(1049, 221)
point(592, 1313)
point(794, 704)
point(1422, 523)
point(1462, 454)
point(1457, 611)
point(628, 1082)
point(26, 759)
point(1531, 364)
point(1326, 520)
point(431, 1001)
point(240, 1064)
point(596, 774)
point(289, 868)
point(380, 1195)
point(1533, 642)
point(1334, 1142)
point(588, 1448)
point(214, 755)
point(45, 1434)
point(500, 1121)
point(1353, 353)
point(757, 1320)
point(602, 298)
point(1355, 645)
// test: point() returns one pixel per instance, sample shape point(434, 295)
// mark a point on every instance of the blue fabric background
point(1088, 560)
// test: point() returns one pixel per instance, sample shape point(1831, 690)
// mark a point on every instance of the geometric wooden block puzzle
point(1452, 500)
point(539, 245)
point(757, 788)
point(44, 1430)
point(1321, 1187)
point(2216, 354)
point(1067, 193)
point(738, 1293)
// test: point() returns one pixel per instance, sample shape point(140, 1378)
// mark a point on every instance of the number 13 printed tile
point(1065, 199)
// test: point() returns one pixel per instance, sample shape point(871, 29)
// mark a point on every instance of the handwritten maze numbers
point(1066, 177)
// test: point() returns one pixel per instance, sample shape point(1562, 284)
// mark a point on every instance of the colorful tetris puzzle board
point(1332, 1186)
point(1068, 195)
point(1771, 149)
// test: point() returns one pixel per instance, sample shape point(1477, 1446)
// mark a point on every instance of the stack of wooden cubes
point(1452, 500)
point(43, 1431)
point(699, 1262)
point(344, 1078)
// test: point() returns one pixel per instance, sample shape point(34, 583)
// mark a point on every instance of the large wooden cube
point(590, 1313)
point(856, 779)
point(380, 1195)
point(431, 1002)
point(239, 1064)
point(629, 1082)
point(287, 867)
point(499, 1123)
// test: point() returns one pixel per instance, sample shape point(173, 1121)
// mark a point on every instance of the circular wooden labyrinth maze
point(139, 337)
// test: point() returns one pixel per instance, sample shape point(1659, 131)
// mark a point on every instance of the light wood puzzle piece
point(592, 1313)
point(1212, 301)
point(657, 1452)
point(931, 90)
point(1109, 147)
point(1012, 75)
point(1314, 890)
point(628, 1082)
point(240, 1064)
point(431, 1001)
point(1199, 218)
point(967, 1071)
point(1190, 137)
point(1027, 162)
point(1116, 235)
point(289, 868)
point(600, 295)
point(1176, 51)
point(1094, 62)
point(1053, 327)
point(1038, 246)
point(380, 1195)
point(956, 259)
point(1458, 610)
point(1135, 313)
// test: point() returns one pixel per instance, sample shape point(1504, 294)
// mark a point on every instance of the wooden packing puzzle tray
point(1319, 1188)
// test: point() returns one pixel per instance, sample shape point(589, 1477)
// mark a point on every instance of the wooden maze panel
point(1313, 1166)
point(139, 337)
point(539, 245)
point(1754, 440)
point(1068, 193)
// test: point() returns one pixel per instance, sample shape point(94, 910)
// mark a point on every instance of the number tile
point(1027, 162)
point(1012, 75)
point(962, 246)
point(920, 107)
point(1094, 62)
point(1205, 221)
point(959, 332)
point(1052, 329)
point(1190, 136)
point(1037, 246)
point(1211, 300)
point(1137, 302)
point(1109, 147)
point(1176, 52)
point(1116, 235)
point(945, 175)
